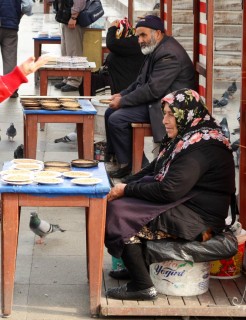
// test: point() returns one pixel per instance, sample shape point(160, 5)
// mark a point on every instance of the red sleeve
point(10, 82)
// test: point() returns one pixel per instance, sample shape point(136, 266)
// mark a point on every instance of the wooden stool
point(139, 131)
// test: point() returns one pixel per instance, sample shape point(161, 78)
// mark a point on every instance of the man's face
point(147, 39)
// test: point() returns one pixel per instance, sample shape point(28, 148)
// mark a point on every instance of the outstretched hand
point(30, 66)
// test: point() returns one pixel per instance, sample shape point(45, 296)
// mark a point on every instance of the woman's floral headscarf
point(124, 29)
point(195, 127)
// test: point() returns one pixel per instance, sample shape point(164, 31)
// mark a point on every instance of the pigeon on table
point(41, 227)
point(11, 132)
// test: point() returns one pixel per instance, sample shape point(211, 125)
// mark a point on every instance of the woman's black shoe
point(121, 173)
point(121, 293)
point(121, 274)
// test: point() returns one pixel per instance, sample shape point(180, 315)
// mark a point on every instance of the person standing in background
point(71, 41)
point(11, 12)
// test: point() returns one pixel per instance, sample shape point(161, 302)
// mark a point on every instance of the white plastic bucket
point(180, 278)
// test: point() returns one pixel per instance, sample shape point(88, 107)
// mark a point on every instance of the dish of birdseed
point(48, 180)
point(77, 174)
point(86, 181)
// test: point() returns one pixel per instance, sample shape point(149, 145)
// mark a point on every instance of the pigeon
point(215, 101)
point(19, 152)
point(11, 132)
point(232, 88)
point(225, 128)
point(225, 94)
point(223, 101)
point(235, 148)
point(72, 136)
point(235, 145)
point(41, 227)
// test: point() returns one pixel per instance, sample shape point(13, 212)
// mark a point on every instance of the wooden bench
point(139, 131)
point(217, 301)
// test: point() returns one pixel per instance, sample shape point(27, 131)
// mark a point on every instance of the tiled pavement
point(50, 282)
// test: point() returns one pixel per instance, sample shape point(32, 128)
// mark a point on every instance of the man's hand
point(72, 23)
point(29, 66)
point(115, 102)
point(116, 192)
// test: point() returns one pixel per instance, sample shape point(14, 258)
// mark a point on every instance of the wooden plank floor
point(225, 298)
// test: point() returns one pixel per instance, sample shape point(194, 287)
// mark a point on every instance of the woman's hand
point(115, 23)
point(116, 192)
point(30, 66)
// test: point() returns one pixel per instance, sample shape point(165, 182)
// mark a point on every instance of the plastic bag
point(221, 246)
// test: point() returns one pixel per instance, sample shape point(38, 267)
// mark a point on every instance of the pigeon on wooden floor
point(225, 127)
point(232, 88)
point(223, 101)
point(41, 227)
point(11, 132)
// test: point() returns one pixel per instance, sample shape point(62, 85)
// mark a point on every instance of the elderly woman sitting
point(184, 193)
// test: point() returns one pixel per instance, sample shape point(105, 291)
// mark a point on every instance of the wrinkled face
point(169, 122)
point(147, 39)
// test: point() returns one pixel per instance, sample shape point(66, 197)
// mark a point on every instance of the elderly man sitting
point(167, 67)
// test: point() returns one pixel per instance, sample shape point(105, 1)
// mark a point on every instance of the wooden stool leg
point(137, 149)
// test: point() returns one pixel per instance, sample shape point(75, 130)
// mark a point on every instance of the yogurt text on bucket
point(167, 271)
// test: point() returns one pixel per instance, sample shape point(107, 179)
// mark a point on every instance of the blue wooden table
point(84, 119)
point(93, 198)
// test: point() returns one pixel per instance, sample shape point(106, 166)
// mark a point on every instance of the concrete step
point(222, 73)
point(224, 45)
point(228, 44)
point(229, 5)
point(220, 30)
point(227, 59)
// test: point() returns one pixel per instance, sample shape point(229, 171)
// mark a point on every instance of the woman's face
point(169, 122)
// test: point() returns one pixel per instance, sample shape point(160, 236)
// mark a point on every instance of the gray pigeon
point(41, 227)
point(223, 101)
point(11, 132)
point(232, 88)
point(225, 127)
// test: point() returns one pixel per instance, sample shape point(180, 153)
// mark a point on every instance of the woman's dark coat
point(187, 202)
point(124, 60)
